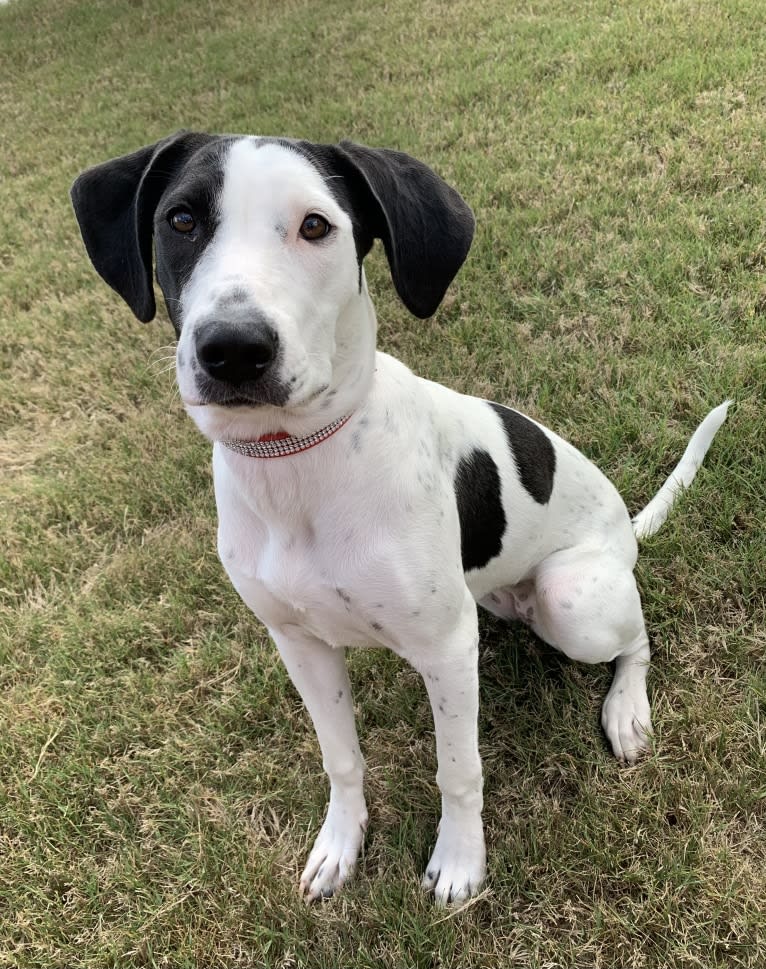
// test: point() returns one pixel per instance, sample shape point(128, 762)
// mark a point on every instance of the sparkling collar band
point(283, 445)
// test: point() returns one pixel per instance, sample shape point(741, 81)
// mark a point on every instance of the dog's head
point(259, 245)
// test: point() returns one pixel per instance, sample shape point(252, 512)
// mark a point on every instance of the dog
point(358, 504)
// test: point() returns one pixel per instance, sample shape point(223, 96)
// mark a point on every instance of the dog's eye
point(314, 227)
point(182, 221)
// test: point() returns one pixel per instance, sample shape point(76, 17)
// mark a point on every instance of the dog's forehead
point(236, 170)
point(269, 170)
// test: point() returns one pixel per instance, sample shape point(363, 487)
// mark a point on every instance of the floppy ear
point(424, 224)
point(115, 203)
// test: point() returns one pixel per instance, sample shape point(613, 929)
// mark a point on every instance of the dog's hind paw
point(626, 719)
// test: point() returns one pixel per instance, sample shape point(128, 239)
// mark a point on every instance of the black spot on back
point(532, 452)
point(482, 519)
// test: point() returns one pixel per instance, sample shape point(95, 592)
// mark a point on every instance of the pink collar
point(282, 445)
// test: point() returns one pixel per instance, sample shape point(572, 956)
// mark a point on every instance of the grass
point(160, 783)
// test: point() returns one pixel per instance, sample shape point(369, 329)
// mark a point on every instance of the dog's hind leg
point(319, 674)
point(586, 604)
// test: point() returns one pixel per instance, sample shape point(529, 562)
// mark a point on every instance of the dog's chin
point(235, 420)
point(241, 418)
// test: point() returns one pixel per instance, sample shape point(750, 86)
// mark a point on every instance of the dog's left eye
point(182, 221)
point(314, 227)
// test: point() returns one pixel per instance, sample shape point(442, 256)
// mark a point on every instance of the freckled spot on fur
point(415, 612)
point(441, 708)
point(343, 595)
point(452, 759)
point(377, 627)
point(356, 442)
point(433, 590)
point(566, 604)
point(339, 696)
point(281, 230)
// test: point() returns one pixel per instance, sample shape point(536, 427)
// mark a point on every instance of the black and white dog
point(360, 505)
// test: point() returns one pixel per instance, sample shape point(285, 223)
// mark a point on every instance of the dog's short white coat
point(356, 542)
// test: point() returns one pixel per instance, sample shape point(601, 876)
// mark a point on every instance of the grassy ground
point(159, 781)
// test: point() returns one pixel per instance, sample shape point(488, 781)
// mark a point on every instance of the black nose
point(236, 354)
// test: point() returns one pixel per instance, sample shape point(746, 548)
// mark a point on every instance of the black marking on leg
point(532, 452)
point(480, 509)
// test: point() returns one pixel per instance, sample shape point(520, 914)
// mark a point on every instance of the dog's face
point(259, 245)
point(257, 261)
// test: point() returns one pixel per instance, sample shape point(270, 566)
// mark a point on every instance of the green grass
point(159, 781)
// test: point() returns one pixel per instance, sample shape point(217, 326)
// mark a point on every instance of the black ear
point(115, 203)
point(424, 224)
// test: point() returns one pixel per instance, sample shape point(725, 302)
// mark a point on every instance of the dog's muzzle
point(235, 355)
point(237, 362)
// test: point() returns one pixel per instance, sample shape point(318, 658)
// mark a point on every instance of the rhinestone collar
point(283, 445)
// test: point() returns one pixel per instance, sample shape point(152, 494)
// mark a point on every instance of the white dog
point(360, 505)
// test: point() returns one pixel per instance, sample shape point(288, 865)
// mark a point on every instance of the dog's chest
point(293, 574)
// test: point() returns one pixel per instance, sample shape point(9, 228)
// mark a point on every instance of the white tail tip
point(649, 520)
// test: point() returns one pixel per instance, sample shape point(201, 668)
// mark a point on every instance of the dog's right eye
point(182, 221)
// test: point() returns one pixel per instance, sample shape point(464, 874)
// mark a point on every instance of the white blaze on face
point(301, 286)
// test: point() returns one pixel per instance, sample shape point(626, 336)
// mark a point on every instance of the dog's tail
point(650, 519)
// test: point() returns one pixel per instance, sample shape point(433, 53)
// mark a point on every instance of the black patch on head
point(116, 203)
point(197, 189)
point(424, 224)
point(532, 452)
point(480, 509)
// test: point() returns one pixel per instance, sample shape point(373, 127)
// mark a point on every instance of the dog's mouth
point(236, 400)
point(265, 392)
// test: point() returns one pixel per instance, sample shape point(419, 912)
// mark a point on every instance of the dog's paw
point(627, 722)
point(333, 858)
point(458, 864)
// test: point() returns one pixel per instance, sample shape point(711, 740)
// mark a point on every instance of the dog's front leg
point(319, 673)
point(450, 671)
